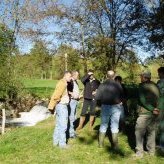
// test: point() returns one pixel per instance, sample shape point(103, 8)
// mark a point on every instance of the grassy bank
point(34, 145)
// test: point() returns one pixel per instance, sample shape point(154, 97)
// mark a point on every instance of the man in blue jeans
point(109, 95)
point(59, 102)
point(74, 93)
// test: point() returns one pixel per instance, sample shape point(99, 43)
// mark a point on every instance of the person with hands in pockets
point(59, 102)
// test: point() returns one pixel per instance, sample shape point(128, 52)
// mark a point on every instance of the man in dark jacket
point(160, 85)
point(90, 86)
point(148, 112)
point(110, 95)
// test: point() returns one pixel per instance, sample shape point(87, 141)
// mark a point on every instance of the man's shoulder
point(62, 82)
point(97, 81)
point(110, 81)
point(146, 85)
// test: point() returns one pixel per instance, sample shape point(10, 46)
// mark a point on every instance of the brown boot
point(91, 122)
point(82, 119)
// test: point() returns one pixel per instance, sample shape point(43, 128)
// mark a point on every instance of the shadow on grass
point(90, 135)
point(130, 133)
point(160, 153)
point(89, 140)
point(76, 123)
point(115, 153)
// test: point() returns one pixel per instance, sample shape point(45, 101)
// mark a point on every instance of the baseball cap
point(146, 73)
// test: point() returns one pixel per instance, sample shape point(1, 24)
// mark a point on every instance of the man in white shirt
point(74, 94)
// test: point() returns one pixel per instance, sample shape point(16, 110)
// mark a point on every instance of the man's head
point(91, 73)
point(145, 76)
point(67, 76)
point(161, 72)
point(118, 79)
point(75, 75)
point(110, 74)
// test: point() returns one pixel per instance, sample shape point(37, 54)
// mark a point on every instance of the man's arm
point(85, 79)
point(59, 90)
point(143, 101)
point(98, 95)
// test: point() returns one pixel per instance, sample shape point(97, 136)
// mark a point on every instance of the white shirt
point(76, 92)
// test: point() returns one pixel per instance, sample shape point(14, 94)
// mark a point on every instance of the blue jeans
point(72, 116)
point(112, 113)
point(59, 136)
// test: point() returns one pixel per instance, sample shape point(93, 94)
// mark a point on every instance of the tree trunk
point(85, 66)
point(51, 75)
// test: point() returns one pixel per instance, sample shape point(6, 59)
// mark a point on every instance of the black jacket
point(109, 93)
point(89, 86)
point(70, 86)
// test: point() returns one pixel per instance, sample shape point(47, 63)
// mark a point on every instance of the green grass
point(34, 145)
point(29, 83)
point(41, 88)
point(38, 87)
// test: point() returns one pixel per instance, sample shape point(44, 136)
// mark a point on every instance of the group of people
point(111, 96)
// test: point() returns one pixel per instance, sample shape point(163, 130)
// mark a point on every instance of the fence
point(3, 119)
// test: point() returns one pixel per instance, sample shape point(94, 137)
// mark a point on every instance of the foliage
point(66, 56)
point(155, 25)
point(41, 59)
point(9, 85)
point(103, 27)
point(36, 64)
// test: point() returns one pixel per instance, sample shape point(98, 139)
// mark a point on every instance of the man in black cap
point(148, 112)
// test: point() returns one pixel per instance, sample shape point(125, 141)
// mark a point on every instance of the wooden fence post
point(3, 121)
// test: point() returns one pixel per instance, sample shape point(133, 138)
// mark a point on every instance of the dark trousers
point(91, 104)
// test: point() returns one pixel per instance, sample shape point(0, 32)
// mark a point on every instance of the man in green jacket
point(160, 85)
point(148, 113)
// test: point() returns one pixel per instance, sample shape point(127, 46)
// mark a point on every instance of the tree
point(41, 59)
point(101, 27)
point(59, 60)
point(155, 25)
point(7, 82)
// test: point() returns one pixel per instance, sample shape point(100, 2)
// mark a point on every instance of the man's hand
point(80, 97)
point(94, 93)
point(156, 111)
point(70, 93)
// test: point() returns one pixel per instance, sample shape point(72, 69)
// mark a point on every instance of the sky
point(26, 44)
